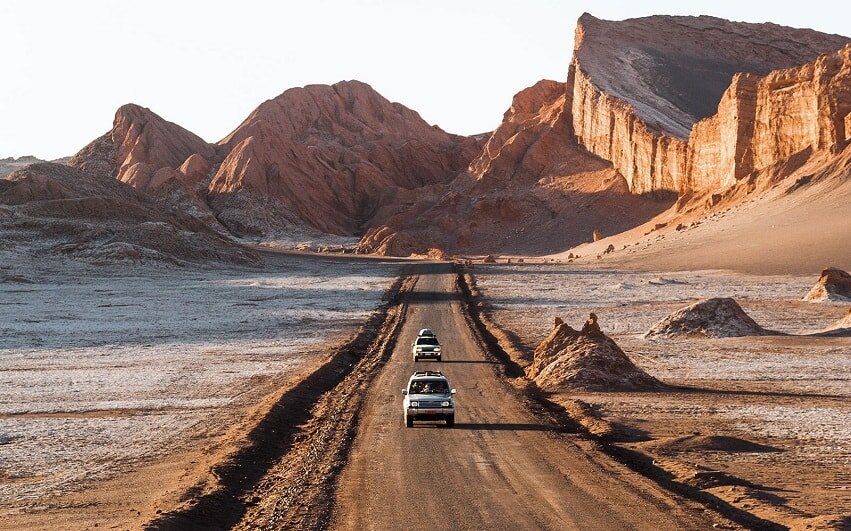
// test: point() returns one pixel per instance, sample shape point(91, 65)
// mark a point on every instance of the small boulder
point(490, 259)
point(436, 253)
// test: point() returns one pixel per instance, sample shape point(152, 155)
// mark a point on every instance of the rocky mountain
point(532, 189)
point(693, 113)
point(322, 157)
point(670, 101)
point(49, 208)
point(696, 106)
point(142, 149)
point(10, 164)
point(330, 157)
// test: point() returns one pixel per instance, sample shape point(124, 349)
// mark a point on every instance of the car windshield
point(427, 341)
point(429, 387)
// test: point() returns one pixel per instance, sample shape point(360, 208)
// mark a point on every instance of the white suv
point(426, 345)
point(428, 397)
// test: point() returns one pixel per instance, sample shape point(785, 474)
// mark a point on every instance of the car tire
point(438, 358)
point(409, 421)
point(416, 359)
point(450, 421)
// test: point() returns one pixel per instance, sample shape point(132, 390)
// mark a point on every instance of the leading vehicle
point(428, 397)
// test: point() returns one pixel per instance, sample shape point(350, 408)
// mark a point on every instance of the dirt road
point(499, 467)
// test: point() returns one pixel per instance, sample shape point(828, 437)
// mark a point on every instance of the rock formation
point(319, 157)
point(10, 164)
point(694, 103)
point(571, 360)
point(842, 327)
point(531, 190)
point(142, 149)
point(834, 284)
point(651, 108)
point(331, 156)
point(720, 317)
point(101, 219)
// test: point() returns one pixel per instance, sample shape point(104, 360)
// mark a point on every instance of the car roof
point(431, 375)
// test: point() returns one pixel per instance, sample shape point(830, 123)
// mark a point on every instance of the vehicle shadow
point(484, 362)
point(488, 426)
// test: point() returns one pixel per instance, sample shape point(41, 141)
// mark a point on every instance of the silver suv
point(426, 345)
point(428, 397)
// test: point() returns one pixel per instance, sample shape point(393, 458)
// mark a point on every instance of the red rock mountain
point(143, 150)
point(531, 190)
point(692, 106)
point(330, 156)
point(326, 157)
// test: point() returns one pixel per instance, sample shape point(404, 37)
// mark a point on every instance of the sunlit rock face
point(143, 150)
point(331, 156)
point(674, 102)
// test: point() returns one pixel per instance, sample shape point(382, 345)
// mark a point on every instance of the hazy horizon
point(71, 65)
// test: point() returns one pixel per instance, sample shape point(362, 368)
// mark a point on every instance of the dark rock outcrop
point(102, 219)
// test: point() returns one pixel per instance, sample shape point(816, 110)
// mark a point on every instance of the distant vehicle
point(428, 397)
point(426, 347)
point(426, 332)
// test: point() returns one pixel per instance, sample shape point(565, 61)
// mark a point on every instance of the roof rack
point(428, 373)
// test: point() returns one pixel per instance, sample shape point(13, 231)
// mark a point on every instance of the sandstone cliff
point(641, 86)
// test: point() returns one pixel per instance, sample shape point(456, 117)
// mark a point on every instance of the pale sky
point(66, 66)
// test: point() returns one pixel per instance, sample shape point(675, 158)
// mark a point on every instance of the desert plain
point(639, 280)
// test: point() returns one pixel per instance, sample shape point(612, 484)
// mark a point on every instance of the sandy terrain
point(106, 371)
point(778, 232)
point(789, 393)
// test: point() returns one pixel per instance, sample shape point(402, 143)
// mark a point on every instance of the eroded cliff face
point(533, 129)
point(609, 127)
point(694, 103)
